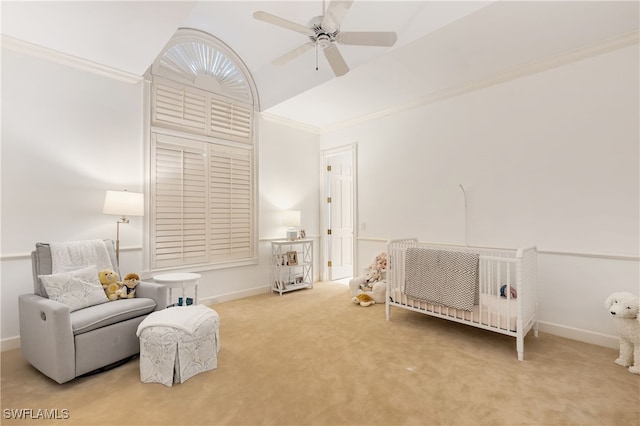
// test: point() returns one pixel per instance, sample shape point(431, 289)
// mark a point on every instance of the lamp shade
point(291, 218)
point(124, 203)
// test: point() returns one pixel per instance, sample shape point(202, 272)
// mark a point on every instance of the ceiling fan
point(324, 32)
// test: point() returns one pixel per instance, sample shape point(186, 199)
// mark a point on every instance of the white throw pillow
point(76, 289)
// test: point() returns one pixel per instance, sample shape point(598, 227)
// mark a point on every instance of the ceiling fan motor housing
point(321, 36)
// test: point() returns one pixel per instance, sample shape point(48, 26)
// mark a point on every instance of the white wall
point(549, 159)
point(69, 135)
point(289, 177)
point(289, 180)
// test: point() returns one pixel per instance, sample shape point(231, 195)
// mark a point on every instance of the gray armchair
point(64, 344)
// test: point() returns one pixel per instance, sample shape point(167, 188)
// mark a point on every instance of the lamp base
point(292, 234)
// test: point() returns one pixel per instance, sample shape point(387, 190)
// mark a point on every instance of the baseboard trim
point(234, 295)
point(10, 343)
point(580, 335)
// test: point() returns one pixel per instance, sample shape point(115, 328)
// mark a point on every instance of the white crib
point(516, 268)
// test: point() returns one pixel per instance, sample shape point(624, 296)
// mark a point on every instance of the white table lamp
point(291, 218)
point(123, 204)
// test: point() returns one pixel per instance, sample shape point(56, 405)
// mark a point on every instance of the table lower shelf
point(290, 287)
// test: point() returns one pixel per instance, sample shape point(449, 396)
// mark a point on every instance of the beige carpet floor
point(313, 358)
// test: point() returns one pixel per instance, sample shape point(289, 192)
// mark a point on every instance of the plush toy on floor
point(371, 278)
point(363, 300)
point(376, 272)
point(625, 308)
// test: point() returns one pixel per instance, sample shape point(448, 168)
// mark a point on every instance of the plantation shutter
point(180, 106)
point(230, 120)
point(231, 195)
point(194, 110)
point(202, 211)
point(202, 157)
point(180, 204)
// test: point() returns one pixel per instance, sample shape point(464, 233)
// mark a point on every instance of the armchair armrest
point(46, 336)
point(155, 291)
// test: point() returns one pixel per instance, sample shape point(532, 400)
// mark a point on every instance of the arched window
point(202, 178)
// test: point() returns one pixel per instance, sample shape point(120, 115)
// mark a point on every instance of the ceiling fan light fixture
point(323, 41)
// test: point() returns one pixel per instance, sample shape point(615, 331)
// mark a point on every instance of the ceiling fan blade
point(281, 22)
point(368, 38)
point(293, 54)
point(338, 65)
point(335, 13)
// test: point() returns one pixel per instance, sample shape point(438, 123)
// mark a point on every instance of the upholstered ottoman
point(178, 343)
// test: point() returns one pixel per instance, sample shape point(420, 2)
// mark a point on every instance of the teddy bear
point(380, 262)
point(129, 284)
point(121, 292)
point(110, 284)
point(376, 270)
point(371, 277)
point(625, 308)
point(363, 300)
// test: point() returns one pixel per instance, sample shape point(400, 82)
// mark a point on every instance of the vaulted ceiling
point(443, 47)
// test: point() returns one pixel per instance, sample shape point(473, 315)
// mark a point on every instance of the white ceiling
point(442, 45)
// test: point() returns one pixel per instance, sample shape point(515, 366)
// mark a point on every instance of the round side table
point(179, 280)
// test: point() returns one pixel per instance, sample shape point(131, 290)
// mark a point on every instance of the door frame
point(324, 240)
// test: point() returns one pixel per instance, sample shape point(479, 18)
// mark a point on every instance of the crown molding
point(595, 49)
point(267, 116)
point(68, 60)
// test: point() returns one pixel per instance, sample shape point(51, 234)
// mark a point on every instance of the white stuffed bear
point(370, 278)
point(625, 308)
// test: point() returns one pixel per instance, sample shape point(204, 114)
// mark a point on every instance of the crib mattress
point(493, 311)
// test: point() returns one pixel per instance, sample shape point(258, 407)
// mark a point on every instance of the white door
point(339, 211)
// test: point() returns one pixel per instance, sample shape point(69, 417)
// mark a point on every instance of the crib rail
point(513, 315)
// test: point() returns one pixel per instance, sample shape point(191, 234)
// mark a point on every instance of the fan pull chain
point(323, 9)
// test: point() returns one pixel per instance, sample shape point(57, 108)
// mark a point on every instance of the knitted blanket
point(185, 318)
point(442, 277)
point(74, 255)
